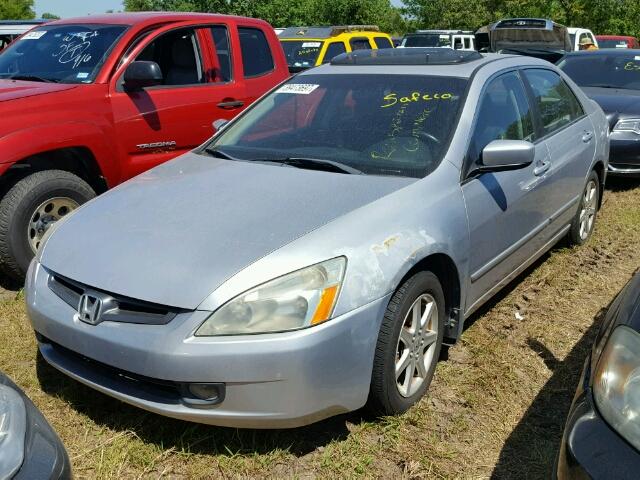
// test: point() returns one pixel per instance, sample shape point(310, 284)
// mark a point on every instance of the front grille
point(117, 308)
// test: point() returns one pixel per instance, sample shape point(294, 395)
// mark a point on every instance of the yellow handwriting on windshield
point(392, 98)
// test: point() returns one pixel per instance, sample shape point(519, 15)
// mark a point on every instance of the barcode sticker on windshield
point(298, 88)
point(33, 35)
point(310, 44)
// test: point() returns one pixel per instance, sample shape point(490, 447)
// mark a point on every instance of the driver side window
point(178, 56)
point(504, 114)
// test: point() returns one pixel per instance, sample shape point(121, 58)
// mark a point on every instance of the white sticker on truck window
point(310, 44)
point(298, 88)
point(33, 35)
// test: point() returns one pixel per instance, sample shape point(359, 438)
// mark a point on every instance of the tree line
point(602, 16)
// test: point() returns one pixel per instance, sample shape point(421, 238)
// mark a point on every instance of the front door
point(198, 87)
point(503, 208)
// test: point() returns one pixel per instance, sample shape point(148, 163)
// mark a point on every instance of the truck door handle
point(231, 104)
point(541, 169)
point(587, 136)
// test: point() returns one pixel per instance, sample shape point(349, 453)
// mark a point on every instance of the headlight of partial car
point(13, 424)
point(616, 385)
point(299, 299)
point(628, 125)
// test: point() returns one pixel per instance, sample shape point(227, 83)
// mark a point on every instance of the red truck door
point(202, 82)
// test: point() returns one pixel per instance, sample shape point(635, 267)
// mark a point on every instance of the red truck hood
point(14, 89)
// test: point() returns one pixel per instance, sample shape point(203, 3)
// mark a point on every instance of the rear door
point(505, 210)
point(569, 135)
point(202, 82)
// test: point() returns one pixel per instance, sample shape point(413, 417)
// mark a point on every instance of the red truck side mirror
point(141, 74)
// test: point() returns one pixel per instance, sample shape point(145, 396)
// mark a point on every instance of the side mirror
point(501, 155)
point(219, 124)
point(141, 74)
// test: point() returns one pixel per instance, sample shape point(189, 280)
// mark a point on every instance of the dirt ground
point(496, 408)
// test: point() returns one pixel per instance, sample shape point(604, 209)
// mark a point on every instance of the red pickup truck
point(88, 103)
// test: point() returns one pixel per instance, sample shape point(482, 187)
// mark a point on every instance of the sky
point(75, 8)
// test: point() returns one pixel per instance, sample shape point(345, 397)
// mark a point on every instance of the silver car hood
point(175, 233)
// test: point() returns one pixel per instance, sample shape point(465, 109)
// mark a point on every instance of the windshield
point(60, 53)
point(301, 53)
point(427, 40)
point(375, 124)
point(614, 71)
point(612, 43)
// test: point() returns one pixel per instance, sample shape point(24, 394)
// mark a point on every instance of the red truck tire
point(28, 210)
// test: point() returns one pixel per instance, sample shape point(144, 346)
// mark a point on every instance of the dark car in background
point(612, 79)
point(12, 29)
point(534, 37)
point(617, 41)
point(29, 448)
point(602, 433)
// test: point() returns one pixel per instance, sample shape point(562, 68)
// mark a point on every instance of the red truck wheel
point(27, 211)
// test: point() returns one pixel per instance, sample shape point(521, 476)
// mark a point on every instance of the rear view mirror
point(219, 124)
point(502, 155)
point(141, 74)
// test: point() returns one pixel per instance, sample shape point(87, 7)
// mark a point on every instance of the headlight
point(616, 385)
point(299, 299)
point(628, 125)
point(13, 425)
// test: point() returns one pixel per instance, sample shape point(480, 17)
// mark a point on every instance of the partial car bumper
point(624, 153)
point(267, 381)
point(590, 448)
point(44, 453)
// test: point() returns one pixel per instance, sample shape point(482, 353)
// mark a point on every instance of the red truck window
point(222, 54)
point(178, 55)
point(256, 54)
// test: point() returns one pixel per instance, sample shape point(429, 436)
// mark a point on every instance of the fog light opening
point(202, 395)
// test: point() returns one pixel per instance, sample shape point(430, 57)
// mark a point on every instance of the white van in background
point(456, 39)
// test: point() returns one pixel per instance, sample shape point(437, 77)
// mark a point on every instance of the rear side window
point(223, 54)
point(383, 42)
point(360, 44)
point(256, 54)
point(504, 114)
point(555, 101)
point(333, 50)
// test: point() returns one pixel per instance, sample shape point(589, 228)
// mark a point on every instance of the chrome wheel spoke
point(430, 338)
point(406, 338)
point(403, 362)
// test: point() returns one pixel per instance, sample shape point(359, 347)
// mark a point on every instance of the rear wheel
point(585, 219)
point(29, 209)
point(409, 345)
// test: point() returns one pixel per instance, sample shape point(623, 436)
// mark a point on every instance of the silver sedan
point(314, 256)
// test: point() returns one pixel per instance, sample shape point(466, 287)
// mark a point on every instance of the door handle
point(231, 104)
point(587, 136)
point(541, 169)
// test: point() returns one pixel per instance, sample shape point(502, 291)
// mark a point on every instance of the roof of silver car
point(463, 69)
point(407, 56)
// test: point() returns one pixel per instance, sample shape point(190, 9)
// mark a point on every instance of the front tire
point(585, 218)
point(409, 345)
point(29, 208)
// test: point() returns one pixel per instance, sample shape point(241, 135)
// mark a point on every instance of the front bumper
point(270, 380)
point(624, 153)
point(590, 447)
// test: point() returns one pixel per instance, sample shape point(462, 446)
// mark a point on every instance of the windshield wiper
point(297, 162)
point(602, 85)
point(31, 78)
point(312, 164)
point(216, 152)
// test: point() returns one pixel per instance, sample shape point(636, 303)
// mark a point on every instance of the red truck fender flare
point(40, 139)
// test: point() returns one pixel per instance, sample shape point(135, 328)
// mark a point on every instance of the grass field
point(496, 407)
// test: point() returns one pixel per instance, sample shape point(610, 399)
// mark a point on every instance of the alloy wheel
point(589, 208)
point(416, 345)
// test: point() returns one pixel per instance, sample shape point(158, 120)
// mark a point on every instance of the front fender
point(38, 139)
